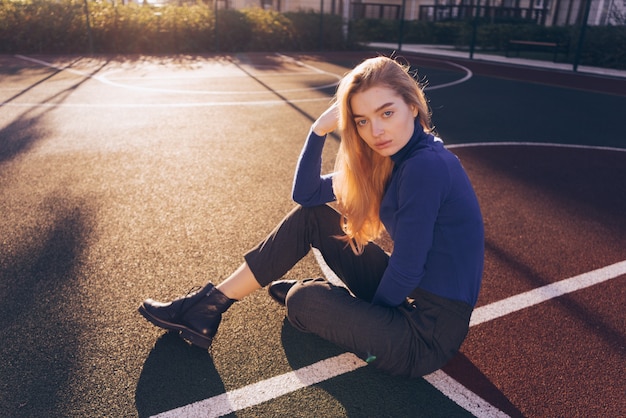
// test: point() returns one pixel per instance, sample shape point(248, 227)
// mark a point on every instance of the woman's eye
point(388, 113)
point(361, 122)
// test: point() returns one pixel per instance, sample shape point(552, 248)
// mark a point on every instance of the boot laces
point(191, 292)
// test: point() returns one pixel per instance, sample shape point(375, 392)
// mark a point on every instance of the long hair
point(361, 173)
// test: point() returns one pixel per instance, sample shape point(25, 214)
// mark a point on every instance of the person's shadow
point(175, 374)
point(368, 392)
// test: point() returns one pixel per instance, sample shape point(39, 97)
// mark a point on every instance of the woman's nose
point(377, 128)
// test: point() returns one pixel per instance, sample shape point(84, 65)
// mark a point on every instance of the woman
point(407, 313)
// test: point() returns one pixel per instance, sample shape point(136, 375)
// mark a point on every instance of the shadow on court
point(175, 374)
point(366, 391)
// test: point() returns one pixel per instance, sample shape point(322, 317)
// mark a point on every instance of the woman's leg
point(408, 340)
point(198, 314)
point(405, 340)
point(239, 284)
point(317, 227)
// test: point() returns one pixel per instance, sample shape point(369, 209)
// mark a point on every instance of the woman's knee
point(323, 213)
point(306, 302)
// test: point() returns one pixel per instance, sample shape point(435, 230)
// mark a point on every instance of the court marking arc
point(467, 75)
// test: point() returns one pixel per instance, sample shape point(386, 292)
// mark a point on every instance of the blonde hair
point(361, 173)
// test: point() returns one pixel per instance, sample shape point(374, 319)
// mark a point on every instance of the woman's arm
point(310, 188)
point(327, 122)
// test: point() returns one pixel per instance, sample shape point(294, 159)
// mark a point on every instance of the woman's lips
point(383, 144)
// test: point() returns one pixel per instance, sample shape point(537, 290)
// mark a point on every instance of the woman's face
point(383, 119)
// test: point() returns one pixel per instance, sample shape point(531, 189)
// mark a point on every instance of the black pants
point(413, 339)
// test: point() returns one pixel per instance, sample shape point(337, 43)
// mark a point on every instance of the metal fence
point(434, 13)
point(375, 11)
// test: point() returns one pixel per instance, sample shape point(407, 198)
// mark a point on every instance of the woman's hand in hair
point(327, 122)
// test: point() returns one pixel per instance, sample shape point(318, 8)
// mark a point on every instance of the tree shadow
point(466, 373)
point(27, 129)
point(588, 182)
point(571, 185)
point(37, 83)
point(175, 374)
point(20, 136)
point(40, 310)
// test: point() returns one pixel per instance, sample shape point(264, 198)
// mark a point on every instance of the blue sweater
point(430, 211)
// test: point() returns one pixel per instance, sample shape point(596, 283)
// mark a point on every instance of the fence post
point(89, 34)
point(474, 29)
point(321, 25)
point(581, 38)
point(215, 31)
point(401, 28)
point(346, 21)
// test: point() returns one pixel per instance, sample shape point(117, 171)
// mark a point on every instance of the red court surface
point(551, 213)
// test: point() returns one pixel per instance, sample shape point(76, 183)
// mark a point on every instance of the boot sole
point(195, 338)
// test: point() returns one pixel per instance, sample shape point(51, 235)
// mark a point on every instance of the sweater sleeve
point(421, 189)
point(310, 188)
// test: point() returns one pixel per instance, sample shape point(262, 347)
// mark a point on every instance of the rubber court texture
point(123, 178)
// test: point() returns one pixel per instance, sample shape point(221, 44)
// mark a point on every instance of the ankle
point(230, 292)
point(220, 298)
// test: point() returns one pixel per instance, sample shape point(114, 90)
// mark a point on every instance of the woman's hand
point(327, 122)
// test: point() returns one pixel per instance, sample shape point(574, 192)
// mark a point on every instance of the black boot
point(278, 290)
point(196, 315)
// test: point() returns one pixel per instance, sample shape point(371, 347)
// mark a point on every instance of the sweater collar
point(419, 139)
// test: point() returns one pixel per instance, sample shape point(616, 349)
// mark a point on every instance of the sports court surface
point(123, 178)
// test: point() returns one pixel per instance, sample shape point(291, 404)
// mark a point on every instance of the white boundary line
point(105, 80)
point(468, 75)
point(268, 389)
point(541, 294)
point(163, 105)
point(462, 396)
point(532, 144)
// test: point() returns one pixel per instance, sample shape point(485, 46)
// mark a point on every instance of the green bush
point(379, 30)
point(605, 47)
point(375, 30)
point(41, 26)
point(270, 30)
point(60, 26)
point(308, 26)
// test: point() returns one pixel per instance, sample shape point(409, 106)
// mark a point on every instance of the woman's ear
point(415, 111)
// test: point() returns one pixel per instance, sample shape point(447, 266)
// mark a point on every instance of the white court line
point(536, 296)
point(302, 64)
point(164, 105)
point(468, 75)
point(110, 75)
point(105, 80)
point(268, 389)
point(533, 144)
point(462, 396)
